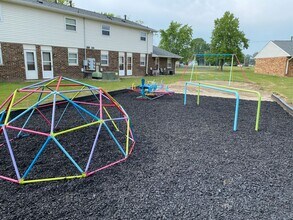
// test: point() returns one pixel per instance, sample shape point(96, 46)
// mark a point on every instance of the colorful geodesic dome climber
point(61, 129)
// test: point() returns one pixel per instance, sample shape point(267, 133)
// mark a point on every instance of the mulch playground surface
point(187, 164)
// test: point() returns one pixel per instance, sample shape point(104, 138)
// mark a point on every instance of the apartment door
point(31, 69)
point(121, 64)
point(47, 63)
point(129, 64)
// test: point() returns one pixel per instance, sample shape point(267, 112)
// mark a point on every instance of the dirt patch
point(178, 87)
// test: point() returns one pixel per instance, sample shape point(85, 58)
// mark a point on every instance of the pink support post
point(24, 98)
point(101, 105)
point(59, 82)
point(44, 117)
point(7, 100)
point(104, 167)
point(95, 104)
point(9, 179)
point(28, 130)
point(35, 91)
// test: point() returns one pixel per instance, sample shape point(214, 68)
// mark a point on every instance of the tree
point(108, 14)
point(247, 59)
point(139, 22)
point(64, 2)
point(227, 38)
point(177, 39)
point(252, 60)
point(199, 45)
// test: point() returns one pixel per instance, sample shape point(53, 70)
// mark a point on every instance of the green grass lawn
point(273, 84)
point(280, 85)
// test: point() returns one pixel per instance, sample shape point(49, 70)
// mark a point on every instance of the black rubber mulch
point(187, 164)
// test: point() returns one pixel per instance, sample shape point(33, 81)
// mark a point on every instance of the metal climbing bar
point(218, 89)
point(249, 91)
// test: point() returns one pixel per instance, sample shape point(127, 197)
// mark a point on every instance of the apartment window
point(142, 59)
point(105, 30)
point(104, 58)
point(1, 60)
point(169, 63)
point(70, 24)
point(143, 36)
point(72, 57)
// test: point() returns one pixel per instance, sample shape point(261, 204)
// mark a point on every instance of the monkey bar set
point(226, 89)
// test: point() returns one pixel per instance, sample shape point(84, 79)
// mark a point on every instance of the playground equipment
point(218, 89)
point(49, 114)
point(226, 89)
point(151, 90)
point(204, 62)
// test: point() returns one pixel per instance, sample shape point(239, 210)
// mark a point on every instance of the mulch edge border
point(283, 104)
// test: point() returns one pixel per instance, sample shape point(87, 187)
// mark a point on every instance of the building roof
point(276, 48)
point(52, 6)
point(159, 52)
point(286, 45)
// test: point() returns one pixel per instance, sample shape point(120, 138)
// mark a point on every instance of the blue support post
point(67, 155)
point(36, 158)
point(218, 89)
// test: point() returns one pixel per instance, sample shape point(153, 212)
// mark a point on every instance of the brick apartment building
point(276, 58)
point(40, 39)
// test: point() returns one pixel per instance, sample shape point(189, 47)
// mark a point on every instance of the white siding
point(31, 26)
point(38, 27)
point(1, 13)
point(271, 50)
point(120, 39)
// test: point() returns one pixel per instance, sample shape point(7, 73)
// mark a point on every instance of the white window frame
point(1, 58)
point(107, 29)
point(143, 36)
point(75, 52)
point(69, 24)
point(142, 59)
point(103, 54)
point(169, 63)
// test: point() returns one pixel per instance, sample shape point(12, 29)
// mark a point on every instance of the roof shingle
point(159, 52)
point(286, 45)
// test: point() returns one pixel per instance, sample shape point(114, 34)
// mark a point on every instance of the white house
point(276, 58)
point(39, 39)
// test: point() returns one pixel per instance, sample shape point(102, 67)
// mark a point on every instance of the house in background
point(40, 39)
point(162, 62)
point(276, 58)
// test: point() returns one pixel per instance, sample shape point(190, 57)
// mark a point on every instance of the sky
point(260, 20)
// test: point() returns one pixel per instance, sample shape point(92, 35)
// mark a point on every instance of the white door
point(31, 69)
point(121, 64)
point(129, 64)
point(47, 64)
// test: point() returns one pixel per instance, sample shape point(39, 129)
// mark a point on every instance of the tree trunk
point(221, 64)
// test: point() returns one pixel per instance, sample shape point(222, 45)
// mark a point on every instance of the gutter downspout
point(147, 58)
point(287, 65)
point(84, 41)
